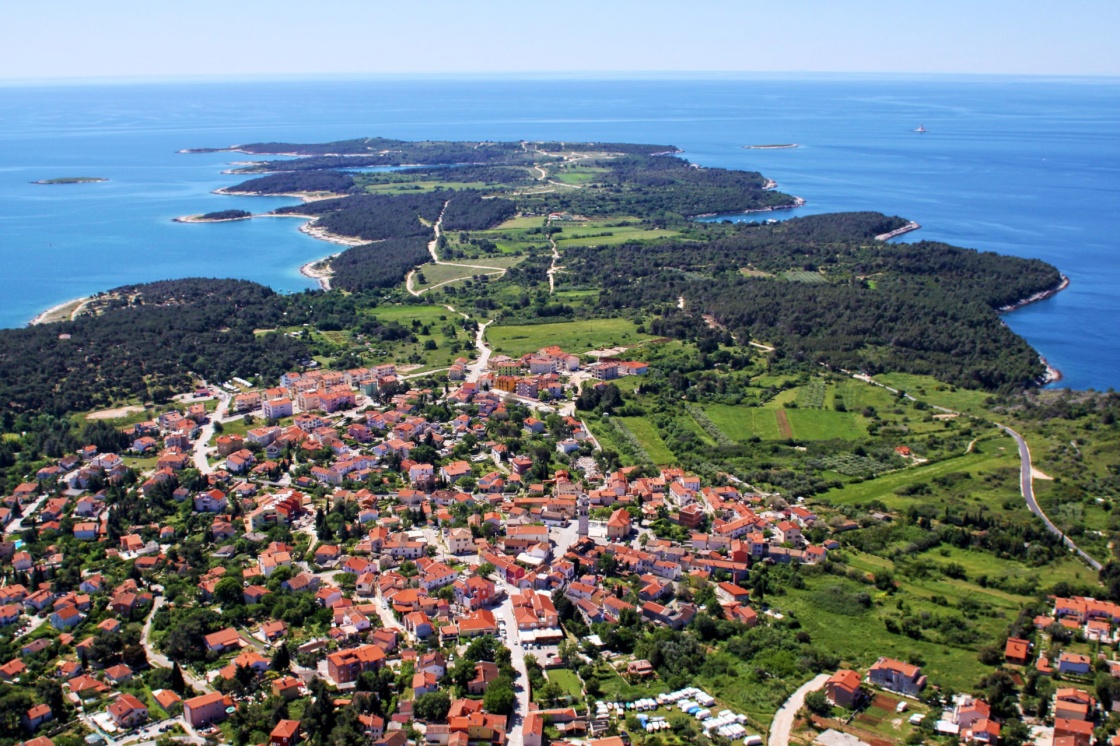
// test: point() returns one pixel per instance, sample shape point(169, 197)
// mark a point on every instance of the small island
point(779, 146)
point(221, 216)
point(72, 180)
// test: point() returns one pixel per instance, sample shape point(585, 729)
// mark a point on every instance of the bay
point(1023, 166)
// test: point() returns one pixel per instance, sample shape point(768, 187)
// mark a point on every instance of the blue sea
point(1024, 166)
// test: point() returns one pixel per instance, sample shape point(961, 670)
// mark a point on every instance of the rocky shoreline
point(911, 226)
point(1041, 295)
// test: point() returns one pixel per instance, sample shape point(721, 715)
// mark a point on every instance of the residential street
point(783, 720)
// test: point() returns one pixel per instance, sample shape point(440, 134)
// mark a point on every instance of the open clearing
point(114, 414)
point(573, 336)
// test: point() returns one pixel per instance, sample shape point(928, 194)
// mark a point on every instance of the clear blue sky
point(148, 38)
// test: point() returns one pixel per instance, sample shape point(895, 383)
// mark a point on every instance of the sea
point(1017, 165)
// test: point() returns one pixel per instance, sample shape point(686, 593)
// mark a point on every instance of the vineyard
point(811, 396)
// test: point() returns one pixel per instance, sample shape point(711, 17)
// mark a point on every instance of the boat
point(921, 128)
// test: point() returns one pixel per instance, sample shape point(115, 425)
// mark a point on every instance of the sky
point(74, 39)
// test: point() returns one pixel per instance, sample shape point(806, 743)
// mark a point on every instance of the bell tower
point(583, 511)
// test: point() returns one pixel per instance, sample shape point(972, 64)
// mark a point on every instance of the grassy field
point(519, 223)
point(819, 424)
point(435, 274)
point(567, 680)
point(932, 391)
point(978, 563)
point(862, 637)
point(615, 688)
point(618, 235)
point(742, 423)
point(993, 455)
point(647, 435)
point(574, 336)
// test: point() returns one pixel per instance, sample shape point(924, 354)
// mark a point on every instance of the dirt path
point(410, 278)
point(783, 423)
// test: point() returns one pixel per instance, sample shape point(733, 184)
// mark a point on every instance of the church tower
point(583, 510)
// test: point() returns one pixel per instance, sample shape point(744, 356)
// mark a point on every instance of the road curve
point(1026, 486)
point(784, 717)
point(1026, 473)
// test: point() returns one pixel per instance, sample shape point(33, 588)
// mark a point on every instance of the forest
point(923, 308)
point(662, 187)
point(147, 338)
point(301, 181)
point(378, 265)
point(374, 217)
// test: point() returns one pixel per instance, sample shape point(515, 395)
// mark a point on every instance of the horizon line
point(575, 75)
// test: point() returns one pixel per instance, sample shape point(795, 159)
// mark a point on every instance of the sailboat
point(921, 128)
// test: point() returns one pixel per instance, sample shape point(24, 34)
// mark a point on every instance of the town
point(340, 552)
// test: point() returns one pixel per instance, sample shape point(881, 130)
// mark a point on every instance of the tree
point(281, 659)
point(228, 592)
point(318, 717)
point(818, 704)
point(499, 697)
point(432, 707)
point(178, 684)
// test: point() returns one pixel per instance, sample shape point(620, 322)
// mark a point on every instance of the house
point(1072, 732)
point(484, 673)
point(36, 716)
point(286, 733)
point(455, 471)
point(286, 687)
point(118, 674)
point(128, 712)
point(1017, 651)
point(168, 700)
point(66, 618)
point(460, 541)
point(618, 525)
point(842, 689)
point(1074, 663)
point(896, 676)
point(223, 640)
point(347, 665)
point(207, 709)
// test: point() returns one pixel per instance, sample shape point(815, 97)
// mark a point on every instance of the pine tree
point(178, 683)
point(281, 659)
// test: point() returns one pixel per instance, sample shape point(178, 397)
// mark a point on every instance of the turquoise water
point(1021, 166)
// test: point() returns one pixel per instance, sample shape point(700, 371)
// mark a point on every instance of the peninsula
point(547, 455)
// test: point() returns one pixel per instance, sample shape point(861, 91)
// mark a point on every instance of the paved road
point(1026, 486)
point(783, 719)
point(25, 510)
point(1026, 474)
point(159, 659)
point(207, 432)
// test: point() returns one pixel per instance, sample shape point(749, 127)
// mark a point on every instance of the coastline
point(319, 270)
point(61, 312)
point(1041, 295)
point(1052, 374)
point(911, 226)
point(797, 202)
point(200, 219)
